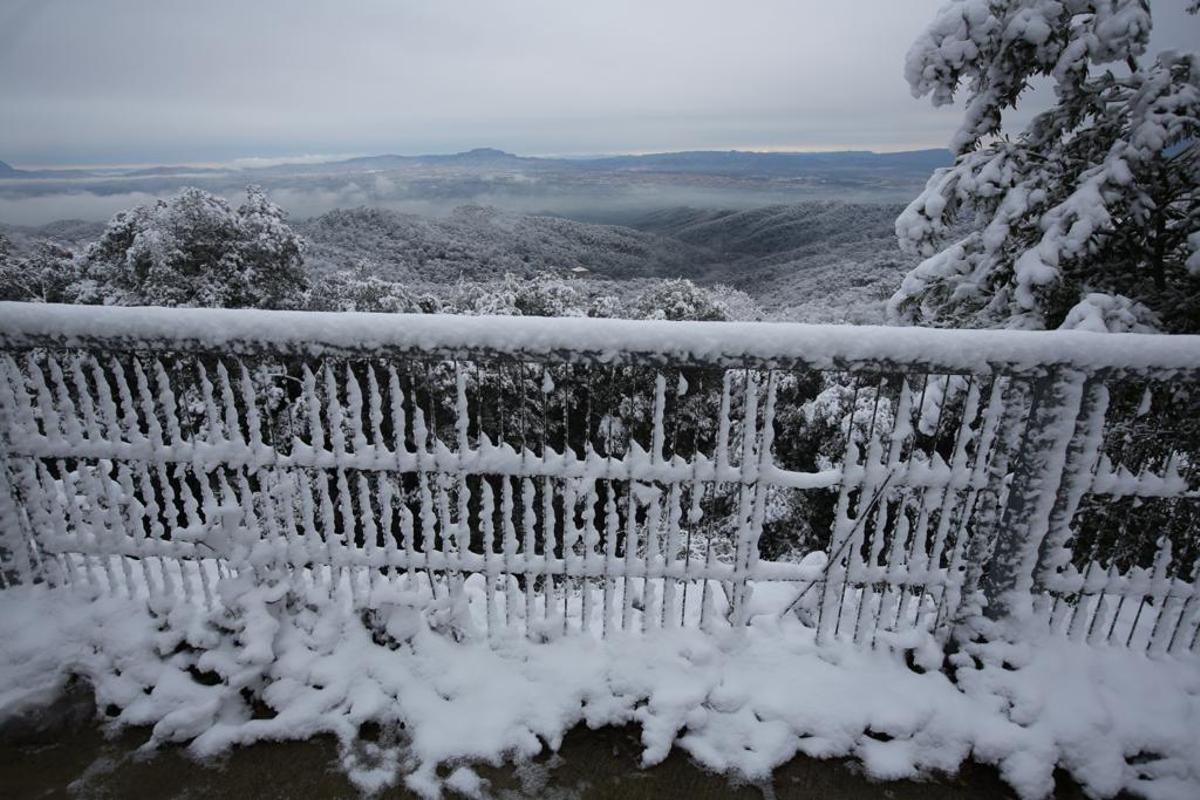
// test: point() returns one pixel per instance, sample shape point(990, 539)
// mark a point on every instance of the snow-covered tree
point(1096, 198)
point(194, 250)
point(44, 275)
point(679, 299)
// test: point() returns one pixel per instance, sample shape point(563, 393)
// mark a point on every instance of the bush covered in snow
point(195, 250)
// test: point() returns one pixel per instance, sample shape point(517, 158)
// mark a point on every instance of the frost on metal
point(606, 476)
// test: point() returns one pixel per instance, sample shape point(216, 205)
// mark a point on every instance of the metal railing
point(611, 475)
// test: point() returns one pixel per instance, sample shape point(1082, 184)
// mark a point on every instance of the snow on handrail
point(762, 344)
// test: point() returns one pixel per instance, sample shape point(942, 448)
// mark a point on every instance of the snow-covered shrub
point(358, 290)
point(737, 304)
point(538, 296)
point(195, 250)
point(1097, 195)
point(679, 299)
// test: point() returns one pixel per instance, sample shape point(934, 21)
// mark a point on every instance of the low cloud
point(260, 162)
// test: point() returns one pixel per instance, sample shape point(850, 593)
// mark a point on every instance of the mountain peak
point(484, 152)
point(5, 169)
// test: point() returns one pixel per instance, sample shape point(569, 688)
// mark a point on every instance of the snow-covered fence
point(610, 475)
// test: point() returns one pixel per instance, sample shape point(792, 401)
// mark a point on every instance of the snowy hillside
point(478, 243)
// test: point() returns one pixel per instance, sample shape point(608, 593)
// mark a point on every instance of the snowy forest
point(768, 457)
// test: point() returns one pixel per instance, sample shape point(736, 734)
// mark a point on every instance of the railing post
point(1007, 581)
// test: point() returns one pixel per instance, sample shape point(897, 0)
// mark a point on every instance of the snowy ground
point(276, 665)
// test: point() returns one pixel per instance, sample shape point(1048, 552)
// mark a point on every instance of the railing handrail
point(718, 344)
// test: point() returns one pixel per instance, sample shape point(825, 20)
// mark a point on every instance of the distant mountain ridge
point(714, 162)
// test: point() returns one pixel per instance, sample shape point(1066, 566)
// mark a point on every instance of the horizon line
point(330, 158)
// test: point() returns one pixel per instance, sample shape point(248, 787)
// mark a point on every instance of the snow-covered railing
point(609, 475)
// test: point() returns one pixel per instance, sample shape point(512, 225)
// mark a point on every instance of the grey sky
point(87, 81)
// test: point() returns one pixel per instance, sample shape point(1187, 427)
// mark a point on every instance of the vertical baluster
point(399, 426)
point(421, 436)
point(487, 510)
point(901, 429)
point(611, 529)
point(739, 612)
point(651, 566)
point(462, 421)
point(570, 540)
point(354, 412)
point(591, 540)
point(529, 523)
point(654, 562)
point(631, 529)
point(366, 514)
point(510, 550)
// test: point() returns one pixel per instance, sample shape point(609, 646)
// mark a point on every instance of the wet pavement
point(63, 753)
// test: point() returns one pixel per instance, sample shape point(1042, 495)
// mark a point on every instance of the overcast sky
point(140, 81)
